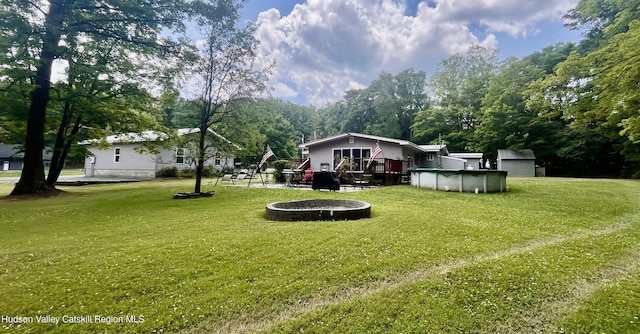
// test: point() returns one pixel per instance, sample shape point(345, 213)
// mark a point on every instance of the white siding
point(131, 165)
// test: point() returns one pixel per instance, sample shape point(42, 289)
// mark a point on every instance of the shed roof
point(524, 154)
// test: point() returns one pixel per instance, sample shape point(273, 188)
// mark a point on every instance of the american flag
point(376, 153)
point(268, 154)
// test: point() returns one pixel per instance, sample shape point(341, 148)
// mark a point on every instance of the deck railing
point(392, 166)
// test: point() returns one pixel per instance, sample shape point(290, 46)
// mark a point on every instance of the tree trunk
point(199, 168)
point(32, 178)
point(200, 162)
point(61, 149)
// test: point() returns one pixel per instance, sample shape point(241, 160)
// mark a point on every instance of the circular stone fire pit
point(318, 209)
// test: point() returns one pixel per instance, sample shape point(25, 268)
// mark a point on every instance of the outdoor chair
point(241, 177)
point(364, 181)
point(226, 178)
point(307, 177)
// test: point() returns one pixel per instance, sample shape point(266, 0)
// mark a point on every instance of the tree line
point(576, 105)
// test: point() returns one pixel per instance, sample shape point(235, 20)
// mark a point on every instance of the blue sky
point(324, 47)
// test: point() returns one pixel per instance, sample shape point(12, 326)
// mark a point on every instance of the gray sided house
point(438, 156)
point(517, 163)
point(391, 164)
point(12, 157)
point(474, 160)
point(125, 156)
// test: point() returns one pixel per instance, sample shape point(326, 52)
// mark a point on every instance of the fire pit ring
point(318, 209)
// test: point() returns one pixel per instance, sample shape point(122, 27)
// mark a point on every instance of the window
point(180, 155)
point(218, 159)
point(356, 158)
point(116, 155)
point(431, 156)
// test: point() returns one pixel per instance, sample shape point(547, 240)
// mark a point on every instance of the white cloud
point(324, 47)
point(283, 90)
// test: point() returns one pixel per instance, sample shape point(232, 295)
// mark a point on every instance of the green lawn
point(551, 255)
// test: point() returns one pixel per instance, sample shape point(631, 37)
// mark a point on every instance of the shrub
point(279, 165)
point(168, 172)
point(188, 172)
point(207, 171)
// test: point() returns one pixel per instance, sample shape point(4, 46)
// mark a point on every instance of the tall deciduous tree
point(35, 35)
point(13, 107)
point(606, 98)
point(507, 122)
point(397, 99)
point(84, 100)
point(457, 89)
point(260, 122)
point(227, 72)
point(601, 19)
point(303, 119)
point(595, 90)
point(387, 107)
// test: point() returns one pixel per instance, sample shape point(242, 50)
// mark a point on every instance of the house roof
point(138, 137)
point(186, 131)
point(9, 151)
point(467, 155)
point(131, 137)
point(361, 135)
point(434, 148)
point(524, 154)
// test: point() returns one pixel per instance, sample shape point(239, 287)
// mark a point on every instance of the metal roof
point(467, 155)
point(524, 154)
point(138, 137)
point(361, 135)
point(434, 148)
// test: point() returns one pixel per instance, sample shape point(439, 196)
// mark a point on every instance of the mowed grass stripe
point(550, 316)
point(527, 292)
point(257, 322)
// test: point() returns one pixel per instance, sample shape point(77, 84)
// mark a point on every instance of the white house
point(126, 157)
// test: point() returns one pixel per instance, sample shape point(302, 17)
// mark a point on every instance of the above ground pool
point(461, 180)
